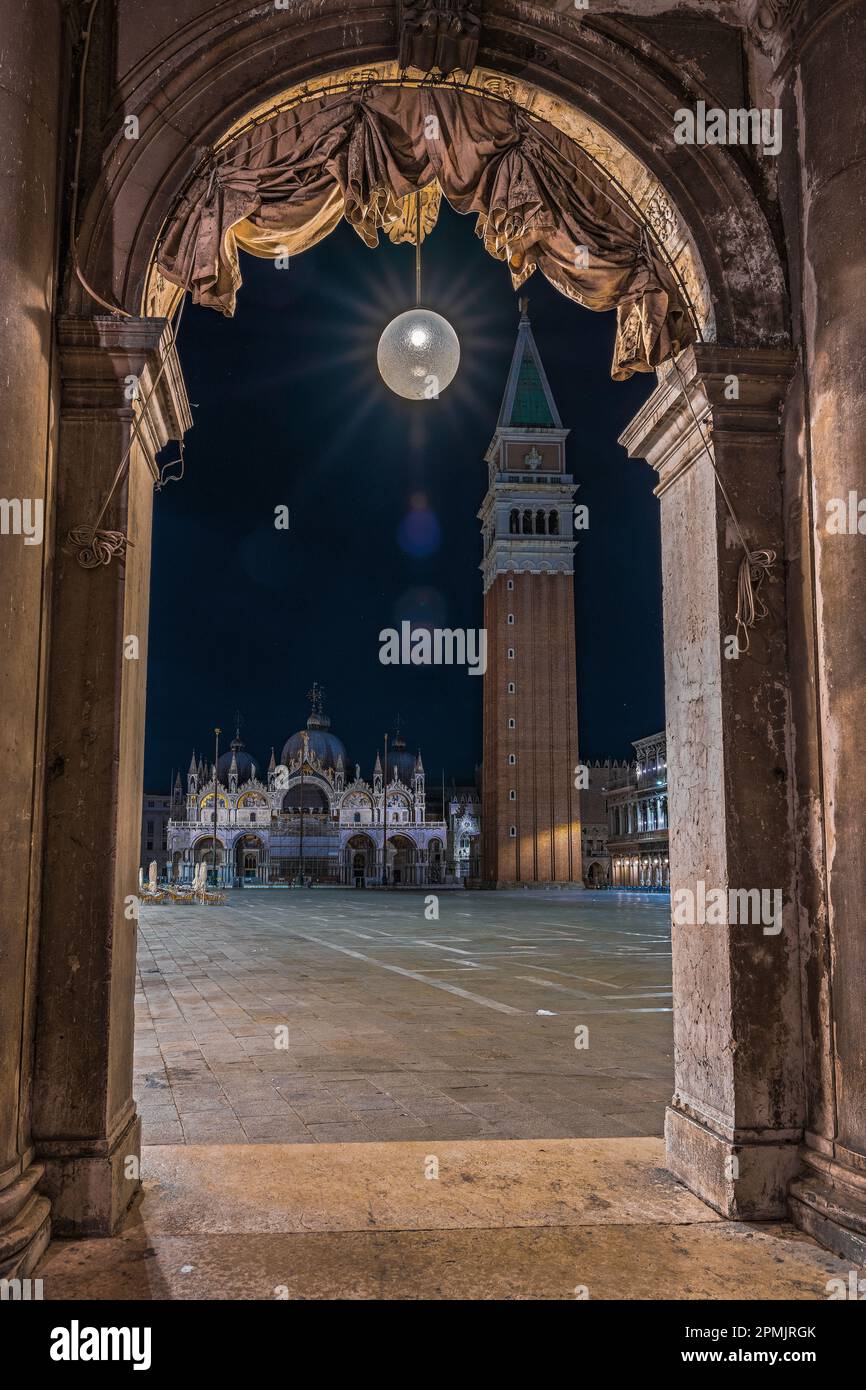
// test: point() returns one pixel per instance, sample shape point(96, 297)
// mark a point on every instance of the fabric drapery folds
point(283, 184)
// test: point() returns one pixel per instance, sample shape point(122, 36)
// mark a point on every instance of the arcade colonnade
point(644, 869)
point(348, 857)
point(766, 781)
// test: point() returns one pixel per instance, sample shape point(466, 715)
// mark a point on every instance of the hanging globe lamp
point(419, 352)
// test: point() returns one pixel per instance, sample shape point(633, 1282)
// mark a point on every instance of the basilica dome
point(247, 766)
point(401, 760)
point(325, 745)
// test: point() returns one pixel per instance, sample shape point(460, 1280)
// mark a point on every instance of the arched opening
point(250, 860)
point(359, 861)
point(217, 868)
point(307, 794)
point(403, 861)
point(683, 221)
point(595, 874)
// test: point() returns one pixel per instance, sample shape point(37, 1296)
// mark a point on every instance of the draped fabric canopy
point(286, 182)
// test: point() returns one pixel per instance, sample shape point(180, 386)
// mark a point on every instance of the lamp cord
point(418, 249)
point(76, 171)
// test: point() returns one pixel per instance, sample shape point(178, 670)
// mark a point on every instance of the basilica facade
point(313, 817)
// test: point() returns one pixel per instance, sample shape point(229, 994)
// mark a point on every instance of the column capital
point(731, 390)
point(97, 356)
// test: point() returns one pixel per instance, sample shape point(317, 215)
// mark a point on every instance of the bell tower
point(531, 816)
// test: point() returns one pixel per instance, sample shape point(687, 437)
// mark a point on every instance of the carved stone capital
point(101, 356)
point(732, 392)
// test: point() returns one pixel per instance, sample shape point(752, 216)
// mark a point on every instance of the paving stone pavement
point(401, 1028)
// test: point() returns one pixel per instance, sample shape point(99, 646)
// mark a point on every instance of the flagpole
point(385, 820)
point(216, 754)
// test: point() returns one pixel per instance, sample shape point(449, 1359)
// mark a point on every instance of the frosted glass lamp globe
point(418, 354)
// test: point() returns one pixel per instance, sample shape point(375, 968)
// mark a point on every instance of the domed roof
point(401, 760)
point(325, 745)
point(247, 766)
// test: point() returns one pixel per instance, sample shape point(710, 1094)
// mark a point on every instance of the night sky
point(289, 409)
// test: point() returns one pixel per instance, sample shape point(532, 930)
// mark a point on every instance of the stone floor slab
point(364, 1186)
point(559, 1220)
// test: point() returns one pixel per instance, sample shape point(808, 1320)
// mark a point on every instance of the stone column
point(30, 82)
point(823, 70)
point(84, 1120)
point(736, 1117)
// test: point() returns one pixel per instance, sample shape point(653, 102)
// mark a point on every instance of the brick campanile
point(531, 809)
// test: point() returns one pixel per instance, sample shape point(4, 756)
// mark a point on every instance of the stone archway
point(249, 858)
point(203, 851)
point(313, 795)
point(733, 1100)
point(359, 861)
point(403, 861)
point(765, 366)
point(594, 874)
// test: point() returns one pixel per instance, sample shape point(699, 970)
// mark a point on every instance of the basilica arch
point(360, 861)
point(203, 850)
point(309, 792)
point(250, 857)
point(740, 1061)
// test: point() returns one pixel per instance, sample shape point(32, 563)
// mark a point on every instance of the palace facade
point(638, 820)
point(604, 777)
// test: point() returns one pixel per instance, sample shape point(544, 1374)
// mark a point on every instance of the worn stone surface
point(831, 440)
point(362, 1187)
point(399, 1027)
point(609, 1262)
point(503, 1220)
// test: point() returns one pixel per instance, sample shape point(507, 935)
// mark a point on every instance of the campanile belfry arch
point(765, 768)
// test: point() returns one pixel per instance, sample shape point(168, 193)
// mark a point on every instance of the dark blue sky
point(289, 409)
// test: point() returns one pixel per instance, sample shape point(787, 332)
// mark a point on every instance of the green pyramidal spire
point(528, 399)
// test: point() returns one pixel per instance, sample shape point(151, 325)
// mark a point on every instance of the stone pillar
point(824, 63)
point(84, 1120)
point(30, 81)
point(736, 1117)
